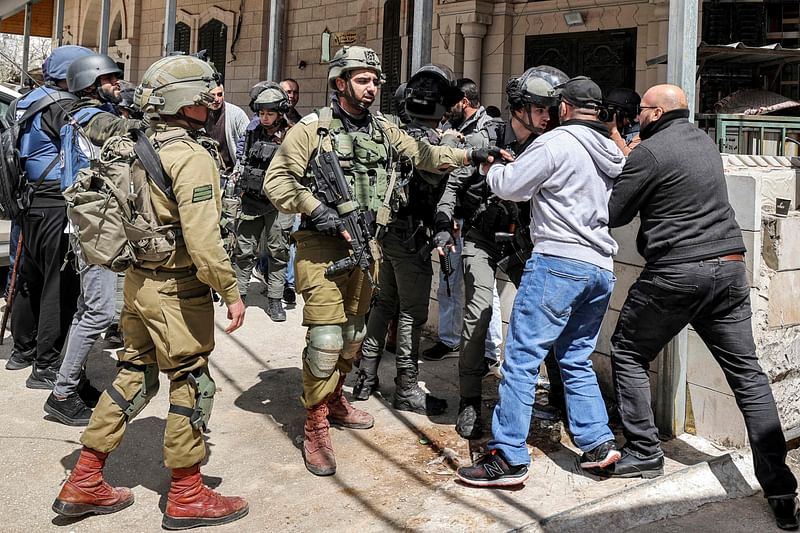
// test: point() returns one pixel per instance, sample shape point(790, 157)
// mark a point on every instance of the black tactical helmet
point(625, 100)
point(536, 86)
point(399, 103)
point(431, 92)
point(84, 71)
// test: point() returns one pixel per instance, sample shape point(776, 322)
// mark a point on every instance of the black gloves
point(479, 156)
point(444, 231)
point(326, 220)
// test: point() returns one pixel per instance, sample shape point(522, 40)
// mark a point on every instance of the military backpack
point(110, 205)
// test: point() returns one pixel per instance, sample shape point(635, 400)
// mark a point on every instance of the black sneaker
point(492, 470)
point(42, 378)
point(469, 424)
point(113, 336)
point(275, 310)
point(784, 508)
point(289, 296)
point(601, 456)
point(88, 393)
point(20, 360)
point(439, 351)
point(70, 411)
point(632, 466)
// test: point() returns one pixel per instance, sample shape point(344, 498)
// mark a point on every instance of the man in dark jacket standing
point(694, 274)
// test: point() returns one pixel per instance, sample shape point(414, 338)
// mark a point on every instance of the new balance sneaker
point(42, 378)
point(601, 456)
point(492, 470)
point(439, 351)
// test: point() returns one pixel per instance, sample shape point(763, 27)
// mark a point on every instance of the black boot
point(469, 424)
point(367, 378)
point(275, 310)
point(408, 396)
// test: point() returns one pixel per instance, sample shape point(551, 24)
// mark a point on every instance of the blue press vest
point(36, 148)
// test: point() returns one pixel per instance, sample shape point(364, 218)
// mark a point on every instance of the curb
point(729, 476)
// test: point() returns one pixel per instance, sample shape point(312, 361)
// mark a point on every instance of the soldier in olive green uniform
point(367, 146)
point(168, 316)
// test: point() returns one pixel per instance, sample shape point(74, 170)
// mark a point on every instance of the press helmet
point(176, 81)
point(273, 98)
point(431, 91)
point(536, 86)
point(85, 70)
point(55, 66)
point(350, 58)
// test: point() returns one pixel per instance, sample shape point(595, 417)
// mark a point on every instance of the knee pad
point(353, 334)
point(204, 390)
point(323, 347)
point(141, 397)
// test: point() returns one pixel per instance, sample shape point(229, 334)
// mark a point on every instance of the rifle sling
point(151, 162)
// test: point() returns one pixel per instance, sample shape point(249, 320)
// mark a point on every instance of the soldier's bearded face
point(360, 89)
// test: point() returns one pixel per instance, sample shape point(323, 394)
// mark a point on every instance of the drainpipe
point(421, 38)
point(275, 42)
point(171, 11)
point(670, 412)
point(104, 29)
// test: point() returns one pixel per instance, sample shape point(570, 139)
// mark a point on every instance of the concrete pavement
point(396, 476)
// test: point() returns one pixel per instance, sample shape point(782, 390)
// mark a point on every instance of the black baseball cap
point(581, 91)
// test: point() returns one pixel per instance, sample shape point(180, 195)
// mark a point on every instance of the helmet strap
point(196, 124)
point(350, 95)
point(529, 126)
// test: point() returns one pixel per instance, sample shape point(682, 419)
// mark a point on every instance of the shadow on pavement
point(277, 396)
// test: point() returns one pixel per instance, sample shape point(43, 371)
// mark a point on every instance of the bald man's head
point(660, 99)
point(668, 97)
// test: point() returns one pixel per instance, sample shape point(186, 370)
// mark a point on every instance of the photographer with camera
point(621, 115)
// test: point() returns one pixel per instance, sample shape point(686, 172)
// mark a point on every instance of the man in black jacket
point(694, 274)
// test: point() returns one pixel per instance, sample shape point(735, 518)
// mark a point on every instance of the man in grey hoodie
point(567, 175)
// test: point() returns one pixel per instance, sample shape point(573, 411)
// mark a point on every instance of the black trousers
point(47, 296)
point(714, 297)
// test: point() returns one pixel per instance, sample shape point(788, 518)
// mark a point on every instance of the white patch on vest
point(308, 119)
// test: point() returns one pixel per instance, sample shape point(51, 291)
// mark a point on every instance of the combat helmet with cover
point(272, 97)
point(350, 58)
point(173, 82)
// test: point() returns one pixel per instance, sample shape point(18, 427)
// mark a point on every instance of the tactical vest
point(366, 159)
point(425, 188)
point(257, 157)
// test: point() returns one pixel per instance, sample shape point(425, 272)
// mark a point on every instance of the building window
point(183, 35)
point(213, 38)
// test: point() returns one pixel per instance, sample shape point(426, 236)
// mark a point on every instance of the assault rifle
point(333, 190)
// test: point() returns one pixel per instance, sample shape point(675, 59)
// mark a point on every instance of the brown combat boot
point(192, 504)
point(86, 492)
point(317, 447)
point(342, 413)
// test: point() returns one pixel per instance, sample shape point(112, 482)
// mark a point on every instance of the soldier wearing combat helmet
point(366, 146)
point(168, 316)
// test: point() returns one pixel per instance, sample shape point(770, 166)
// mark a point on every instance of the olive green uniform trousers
point(269, 231)
point(337, 301)
point(168, 320)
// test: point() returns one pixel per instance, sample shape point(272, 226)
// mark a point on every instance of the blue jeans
point(560, 304)
point(96, 310)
